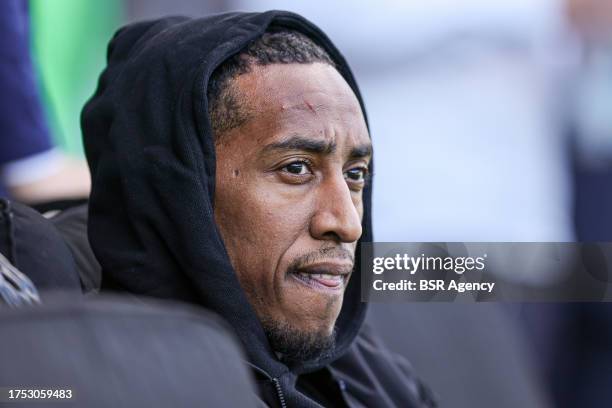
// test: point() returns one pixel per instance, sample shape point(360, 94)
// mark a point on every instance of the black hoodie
point(149, 144)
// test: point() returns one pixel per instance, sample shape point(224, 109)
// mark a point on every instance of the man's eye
point(357, 174)
point(298, 168)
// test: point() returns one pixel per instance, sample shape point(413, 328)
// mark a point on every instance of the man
point(32, 170)
point(230, 158)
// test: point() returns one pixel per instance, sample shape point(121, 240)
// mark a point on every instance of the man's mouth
point(331, 281)
point(328, 276)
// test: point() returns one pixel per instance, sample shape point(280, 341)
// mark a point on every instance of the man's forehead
point(317, 127)
point(315, 102)
point(307, 100)
point(308, 87)
point(330, 121)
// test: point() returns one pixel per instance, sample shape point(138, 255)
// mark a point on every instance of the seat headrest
point(35, 247)
point(118, 352)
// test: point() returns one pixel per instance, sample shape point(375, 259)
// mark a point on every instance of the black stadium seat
point(105, 351)
point(470, 354)
point(35, 247)
point(111, 352)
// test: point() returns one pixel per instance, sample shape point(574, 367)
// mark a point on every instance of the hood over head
point(150, 148)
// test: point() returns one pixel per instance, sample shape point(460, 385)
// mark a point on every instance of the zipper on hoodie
point(275, 381)
point(279, 391)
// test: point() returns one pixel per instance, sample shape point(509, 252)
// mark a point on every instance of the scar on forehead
point(304, 106)
point(310, 106)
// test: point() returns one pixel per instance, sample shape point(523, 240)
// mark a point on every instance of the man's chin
point(294, 345)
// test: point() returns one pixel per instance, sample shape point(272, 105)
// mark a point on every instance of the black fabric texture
point(148, 141)
point(72, 224)
point(111, 352)
point(33, 245)
point(372, 376)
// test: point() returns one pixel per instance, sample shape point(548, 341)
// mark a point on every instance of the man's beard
point(297, 346)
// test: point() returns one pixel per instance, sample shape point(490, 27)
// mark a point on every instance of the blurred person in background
point(592, 128)
point(32, 170)
point(581, 357)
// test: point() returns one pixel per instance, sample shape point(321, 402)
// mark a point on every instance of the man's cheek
point(284, 219)
point(358, 202)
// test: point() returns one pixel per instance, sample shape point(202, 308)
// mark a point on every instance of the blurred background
point(491, 121)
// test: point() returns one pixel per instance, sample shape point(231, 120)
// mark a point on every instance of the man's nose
point(337, 216)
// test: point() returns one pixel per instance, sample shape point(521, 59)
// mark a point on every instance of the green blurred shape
point(69, 39)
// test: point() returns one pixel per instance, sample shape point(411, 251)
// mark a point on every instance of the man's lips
point(328, 280)
point(329, 275)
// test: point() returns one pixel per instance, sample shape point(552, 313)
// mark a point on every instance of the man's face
point(288, 198)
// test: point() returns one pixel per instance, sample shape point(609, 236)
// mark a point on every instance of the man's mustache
point(323, 254)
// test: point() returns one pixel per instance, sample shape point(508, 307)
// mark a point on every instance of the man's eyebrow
point(362, 151)
point(297, 142)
